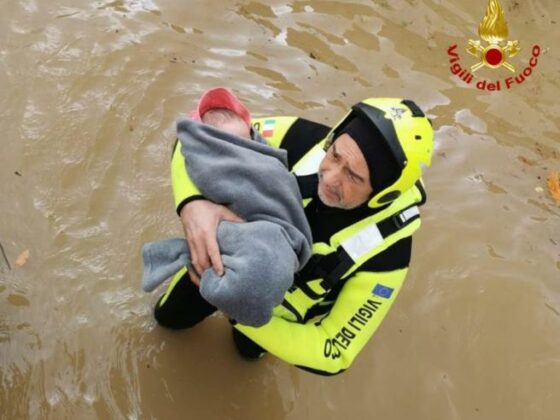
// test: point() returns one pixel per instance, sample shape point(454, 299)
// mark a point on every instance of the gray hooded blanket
point(261, 256)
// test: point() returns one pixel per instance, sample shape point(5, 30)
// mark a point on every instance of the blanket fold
point(261, 256)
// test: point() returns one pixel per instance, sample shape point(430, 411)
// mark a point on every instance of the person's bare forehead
point(219, 116)
point(354, 161)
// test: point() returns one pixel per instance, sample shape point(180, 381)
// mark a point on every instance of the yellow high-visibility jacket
point(323, 329)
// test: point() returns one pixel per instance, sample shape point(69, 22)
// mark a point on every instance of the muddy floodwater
point(89, 92)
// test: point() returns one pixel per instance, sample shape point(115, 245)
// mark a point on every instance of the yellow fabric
point(316, 346)
point(175, 280)
point(332, 345)
point(415, 135)
point(183, 187)
point(278, 125)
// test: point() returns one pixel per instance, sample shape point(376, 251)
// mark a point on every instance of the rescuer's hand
point(200, 219)
point(195, 278)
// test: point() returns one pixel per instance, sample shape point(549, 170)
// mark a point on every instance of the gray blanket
point(261, 256)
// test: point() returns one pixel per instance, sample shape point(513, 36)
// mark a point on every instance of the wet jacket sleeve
point(330, 345)
point(184, 190)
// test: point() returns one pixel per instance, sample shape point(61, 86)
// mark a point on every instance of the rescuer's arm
point(330, 345)
point(184, 189)
point(200, 218)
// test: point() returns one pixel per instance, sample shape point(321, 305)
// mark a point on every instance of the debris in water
point(22, 258)
point(4, 263)
point(554, 185)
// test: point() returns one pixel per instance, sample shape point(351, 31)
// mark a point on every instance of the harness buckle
point(405, 216)
point(399, 220)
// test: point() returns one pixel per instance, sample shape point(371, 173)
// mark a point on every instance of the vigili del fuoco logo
point(494, 52)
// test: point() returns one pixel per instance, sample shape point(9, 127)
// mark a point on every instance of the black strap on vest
point(331, 267)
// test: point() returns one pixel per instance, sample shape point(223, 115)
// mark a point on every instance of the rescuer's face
point(344, 175)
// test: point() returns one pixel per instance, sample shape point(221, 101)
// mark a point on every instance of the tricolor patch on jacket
point(268, 128)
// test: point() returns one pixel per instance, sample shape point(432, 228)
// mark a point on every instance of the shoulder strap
point(366, 240)
point(332, 267)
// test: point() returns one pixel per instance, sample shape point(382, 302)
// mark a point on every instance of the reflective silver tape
point(362, 242)
point(310, 163)
point(408, 214)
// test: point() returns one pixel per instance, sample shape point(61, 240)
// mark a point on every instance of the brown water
point(89, 95)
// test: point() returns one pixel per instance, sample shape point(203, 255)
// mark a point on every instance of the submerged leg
point(182, 306)
point(247, 349)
